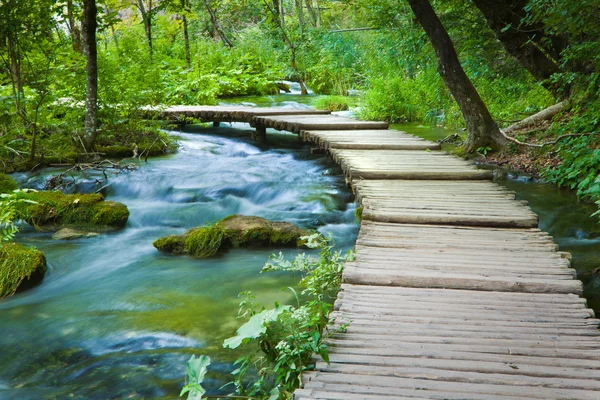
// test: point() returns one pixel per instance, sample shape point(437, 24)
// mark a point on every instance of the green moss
point(233, 231)
point(458, 151)
point(359, 212)
point(171, 244)
point(116, 151)
point(244, 231)
point(55, 209)
point(20, 267)
point(205, 241)
point(110, 213)
point(7, 184)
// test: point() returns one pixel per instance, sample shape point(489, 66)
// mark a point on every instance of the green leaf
point(256, 326)
point(196, 370)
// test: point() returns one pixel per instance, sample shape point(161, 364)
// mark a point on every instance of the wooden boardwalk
point(454, 293)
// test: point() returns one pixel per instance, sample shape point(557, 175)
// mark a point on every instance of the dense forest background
point(521, 56)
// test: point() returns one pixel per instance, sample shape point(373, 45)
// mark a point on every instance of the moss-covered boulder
point(244, 231)
point(20, 268)
point(233, 231)
point(171, 244)
point(54, 210)
point(7, 184)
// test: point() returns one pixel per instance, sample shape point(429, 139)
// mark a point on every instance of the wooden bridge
point(455, 293)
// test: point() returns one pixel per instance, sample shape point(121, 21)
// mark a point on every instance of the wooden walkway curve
point(454, 293)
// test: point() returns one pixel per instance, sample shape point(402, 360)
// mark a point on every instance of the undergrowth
point(282, 340)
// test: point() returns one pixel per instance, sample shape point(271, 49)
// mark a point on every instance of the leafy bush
point(285, 337)
point(334, 103)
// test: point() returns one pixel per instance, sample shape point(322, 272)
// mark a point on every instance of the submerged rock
point(233, 231)
point(71, 234)
point(20, 268)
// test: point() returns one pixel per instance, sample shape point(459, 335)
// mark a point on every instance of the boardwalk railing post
point(260, 134)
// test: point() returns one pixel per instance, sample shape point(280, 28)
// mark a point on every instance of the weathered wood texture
point(368, 140)
point(297, 123)
point(221, 113)
point(447, 202)
point(406, 164)
point(443, 257)
point(458, 344)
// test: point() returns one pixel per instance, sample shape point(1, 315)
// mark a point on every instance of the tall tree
point(73, 26)
point(481, 128)
point(89, 26)
point(147, 11)
point(216, 25)
point(186, 36)
point(527, 42)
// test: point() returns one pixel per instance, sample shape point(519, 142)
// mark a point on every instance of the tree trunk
point(481, 128)
point(217, 25)
point(303, 88)
point(186, 38)
point(74, 28)
point(311, 12)
point(300, 11)
point(504, 17)
point(89, 26)
point(15, 69)
point(147, 18)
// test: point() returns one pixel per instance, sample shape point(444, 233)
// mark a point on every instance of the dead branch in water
point(69, 179)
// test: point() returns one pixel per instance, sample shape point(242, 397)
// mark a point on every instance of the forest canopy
point(74, 73)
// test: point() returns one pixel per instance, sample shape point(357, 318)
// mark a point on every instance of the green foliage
point(334, 103)
point(9, 212)
point(484, 150)
point(196, 370)
point(204, 242)
point(580, 166)
point(7, 184)
point(282, 340)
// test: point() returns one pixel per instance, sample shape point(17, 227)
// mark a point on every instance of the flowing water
point(115, 318)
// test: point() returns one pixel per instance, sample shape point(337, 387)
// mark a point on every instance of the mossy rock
point(284, 87)
point(244, 231)
point(7, 184)
point(20, 268)
point(55, 210)
point(233, 231)
point(171, 244)
point(204, 242)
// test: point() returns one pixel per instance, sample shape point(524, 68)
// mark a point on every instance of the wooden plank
point(389, 385)
point(477, 372)
point(319, 122)
point(221, 113)
point(368, 140)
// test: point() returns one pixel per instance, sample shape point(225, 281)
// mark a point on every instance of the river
point(115, 318)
